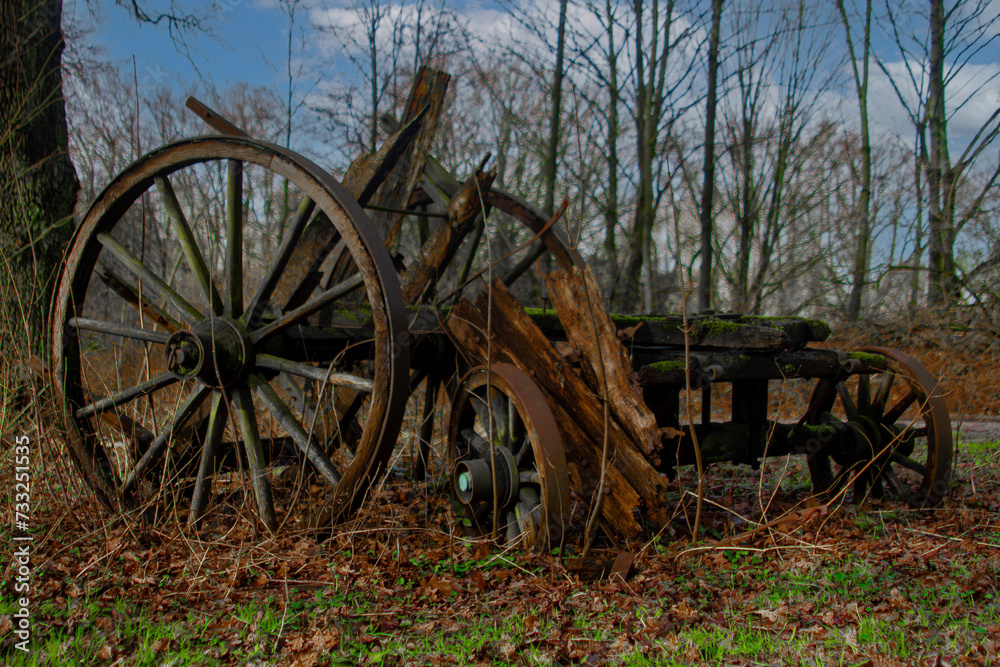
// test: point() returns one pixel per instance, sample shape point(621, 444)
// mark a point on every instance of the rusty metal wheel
point(187, 346)
point(902, 433)
point(510, 468)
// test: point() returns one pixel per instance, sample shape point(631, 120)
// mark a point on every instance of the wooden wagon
point(267, 333)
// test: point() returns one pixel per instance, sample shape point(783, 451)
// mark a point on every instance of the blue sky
point(251, 39)
point(249, 46)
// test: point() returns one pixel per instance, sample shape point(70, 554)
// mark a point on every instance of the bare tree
point(956, 36)
point(778, 56)
point(708, 184)
point(862, 214)
point(657, 105)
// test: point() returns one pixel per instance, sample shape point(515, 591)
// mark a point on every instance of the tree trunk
point(708, 186)
point(941, 262)
point(611, 199)
point(862, 212)
point(38, 183)
point(748, 214)
point(552, 151)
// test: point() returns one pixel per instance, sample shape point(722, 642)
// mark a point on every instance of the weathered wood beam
point(577, 300)
point(427, 96)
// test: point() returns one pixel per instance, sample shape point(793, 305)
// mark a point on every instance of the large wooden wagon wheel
point(902, 433)
point(510, 468)
point(186, 345)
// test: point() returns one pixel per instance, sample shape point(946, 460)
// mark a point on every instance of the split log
point(621, 502)
point(588, 327)
point(525, 344)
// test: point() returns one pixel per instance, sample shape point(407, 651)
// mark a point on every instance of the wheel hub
point(474, 480)
point(217, 351)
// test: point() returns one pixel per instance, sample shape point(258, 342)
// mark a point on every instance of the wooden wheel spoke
point(246, 416)
point(281, 258)
point(283, 414)
point(513, 527)
point(529, 477)
point(316, 373)
point(889, 475)
point(121, 330)
point(818, 402)
point(476, 442)
point(317, 303)
point(529, 496)
point(126, 395)
point(882, 395)
point(470, 258)
point(192, 253)
point(522, 451)
point(501, 419)
point(234, 239)
point(894, 413)
point(482, 411)
point(909, 463)
point(130, 293)
point(850, 407)
point(537, 250)
point(864, 394)
point(151, 281)
point(203, 483)
point(162, 441)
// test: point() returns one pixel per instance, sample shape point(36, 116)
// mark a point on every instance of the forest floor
point(776, 577)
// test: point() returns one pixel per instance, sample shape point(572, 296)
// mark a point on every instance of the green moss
point(544, 319)
point(818, 329)
point(868, 358)
point(716, 328)
point(668, 366)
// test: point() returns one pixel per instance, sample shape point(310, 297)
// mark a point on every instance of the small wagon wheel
point(451, 278)
point(185, 343)
point(553, 239)
point(508, 456)
point(902, 433)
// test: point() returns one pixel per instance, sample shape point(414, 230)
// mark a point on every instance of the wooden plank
point(726, 366)
point(367, 172)
point(577, 300)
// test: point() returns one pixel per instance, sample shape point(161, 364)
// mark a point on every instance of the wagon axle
point(474, 479)
point(217, 351)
